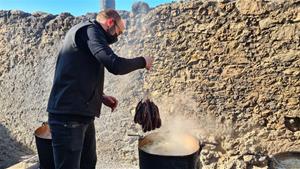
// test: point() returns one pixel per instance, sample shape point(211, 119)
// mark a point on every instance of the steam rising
point(181, 114)
point(181, 119)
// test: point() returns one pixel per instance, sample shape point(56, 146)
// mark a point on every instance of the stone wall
point(238, 60)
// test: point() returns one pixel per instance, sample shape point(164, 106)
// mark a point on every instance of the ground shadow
point(11, 151)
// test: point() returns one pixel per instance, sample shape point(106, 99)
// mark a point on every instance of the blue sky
point(75, 7)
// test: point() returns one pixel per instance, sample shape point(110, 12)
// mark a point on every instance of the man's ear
point(110, 22)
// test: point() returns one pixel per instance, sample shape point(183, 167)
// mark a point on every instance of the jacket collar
point(109, 38)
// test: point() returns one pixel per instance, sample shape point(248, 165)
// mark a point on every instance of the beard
point(112, 31)
point(112, 35)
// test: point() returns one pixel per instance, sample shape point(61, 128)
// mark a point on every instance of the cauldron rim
point(197, 151)
point(42, 130)
point(180, 156)
point(44, 147)
point(286, 154)
point(275, 158)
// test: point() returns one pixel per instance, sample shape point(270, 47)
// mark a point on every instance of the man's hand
point(149, 62)
point(110, 101)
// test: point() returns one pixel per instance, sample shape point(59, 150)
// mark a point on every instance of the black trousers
point(74, 144)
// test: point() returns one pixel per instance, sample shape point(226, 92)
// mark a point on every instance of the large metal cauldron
point(153, 160)
point(285, 160)
point(43, 141)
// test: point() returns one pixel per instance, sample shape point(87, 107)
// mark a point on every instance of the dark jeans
point(74, 144)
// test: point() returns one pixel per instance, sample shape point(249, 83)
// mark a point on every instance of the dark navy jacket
point(79, 74)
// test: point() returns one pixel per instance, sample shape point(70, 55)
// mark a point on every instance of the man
point(77, 92)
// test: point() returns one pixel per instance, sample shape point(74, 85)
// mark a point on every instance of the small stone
point(254, 7)
point(293, 101)
point(262, 159)
point(297, 134)
point(132, 112)
point(263, 122)
point(265, 113)
point(248, 158)
point(292, 71)
point(255, 167)
point(266, 23)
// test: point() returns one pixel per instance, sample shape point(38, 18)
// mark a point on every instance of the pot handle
point(136, 135)
point(211, 143)
point(203, 144)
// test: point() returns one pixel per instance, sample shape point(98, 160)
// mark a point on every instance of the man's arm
point(104, 54)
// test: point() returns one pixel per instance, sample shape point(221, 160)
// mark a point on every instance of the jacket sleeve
point(98, 46)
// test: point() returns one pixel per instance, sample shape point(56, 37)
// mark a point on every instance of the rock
point(140, 8)
point(297, 134)
point(292, 71)
point(248, 158)
point(263, 122)
point(286, 32)
point(254, 7)
point(19, 13)
point(293, 101)
point(255, 167)
point(231, 71)
point(263, 161)
point(267, 23)
point(297, 18)
point(288, 56)
point(240, 164)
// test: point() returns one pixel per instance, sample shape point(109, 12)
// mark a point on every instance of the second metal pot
point(44, 146)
